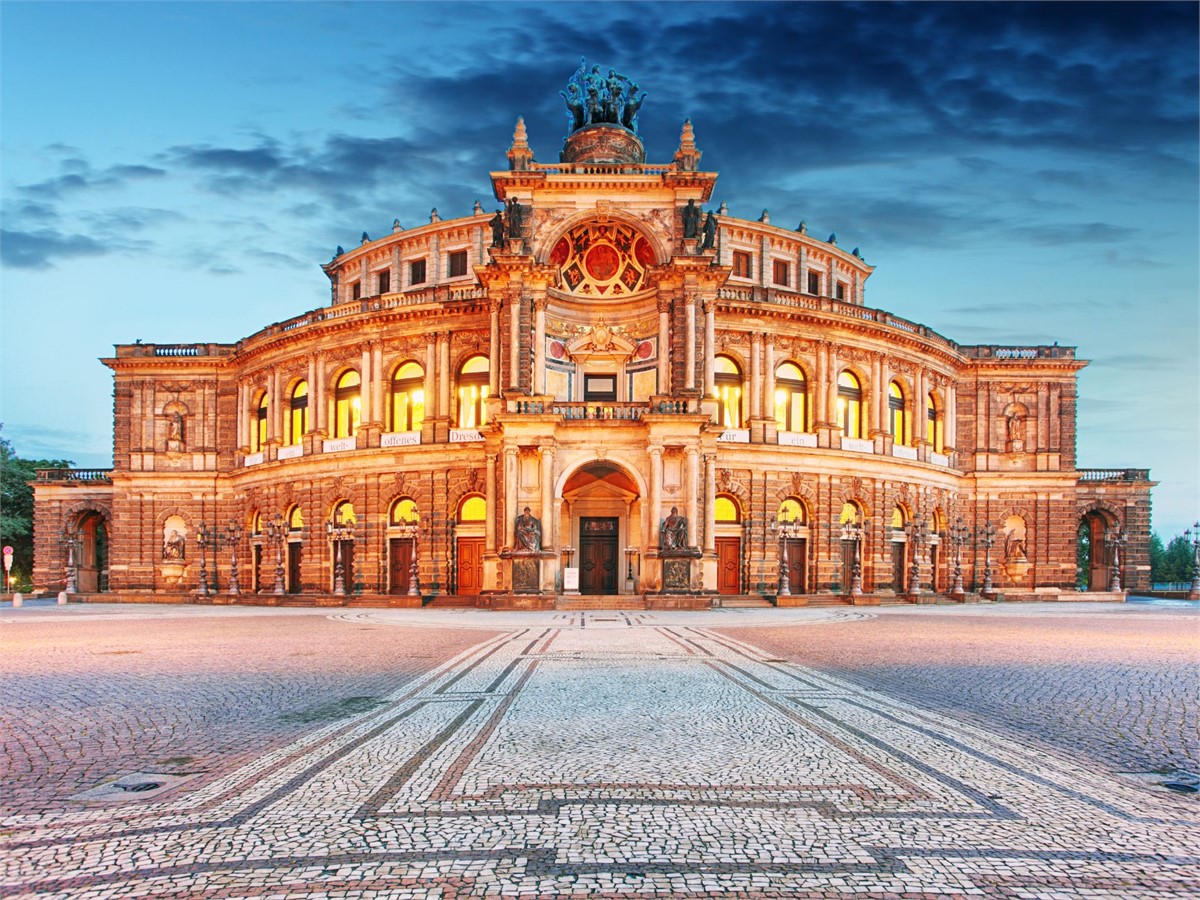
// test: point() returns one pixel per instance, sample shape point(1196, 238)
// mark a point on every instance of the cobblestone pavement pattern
point(464, 754)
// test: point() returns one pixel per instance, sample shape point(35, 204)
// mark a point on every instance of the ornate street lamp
point(960, 533)
point(1193, 536)
point(203, 535)
point(630, 553)
point(853, 532)
point(786, 529)
point(987, 537)
point(233, 537)
point(338, 532)
point(276, 533)
point(70, 540)
point(414, 531)
point(917, 530)
point(1118, 544)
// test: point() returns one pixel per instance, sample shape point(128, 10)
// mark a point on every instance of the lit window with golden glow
point(298, 413)
point(849, 406)
point(726, 509)
point(934, 426)
point(896, 412)
point(343, 514)
point(791, 398)
point(898, 519)
point(347, 405)
point(258, 435)
point(404, 512)
point(793, 512)
point(472, 391)
point(408, 397)
point(728, 378)
point(256, 523)
point(851, 514)
point(295, 519)
point(473, 509)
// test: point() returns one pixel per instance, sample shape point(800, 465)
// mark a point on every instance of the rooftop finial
point(687, 157)
point(519, 154)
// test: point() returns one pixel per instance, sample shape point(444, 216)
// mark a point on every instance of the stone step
point(744, 601)
point(600, 601)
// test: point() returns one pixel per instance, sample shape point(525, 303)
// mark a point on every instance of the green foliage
point(16, 506)
point(1172, 563)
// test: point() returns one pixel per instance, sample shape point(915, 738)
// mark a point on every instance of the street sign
point(8, 552)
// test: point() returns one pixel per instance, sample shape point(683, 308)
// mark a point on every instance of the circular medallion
point(602, 262)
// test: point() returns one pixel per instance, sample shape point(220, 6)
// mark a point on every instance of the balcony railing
point(995, 351)
point(1114, 474)
point(103, 476)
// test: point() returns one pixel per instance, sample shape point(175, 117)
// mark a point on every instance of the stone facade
point(597, 354)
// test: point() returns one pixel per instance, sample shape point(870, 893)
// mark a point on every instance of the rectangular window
point(356, 291)
point(781, 272)
point(814, 283)
point(416, 271)
point(457, 264)
point(741, 264)
point(841, 291)
point(385, 281)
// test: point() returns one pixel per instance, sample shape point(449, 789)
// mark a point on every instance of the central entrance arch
point(601, 515)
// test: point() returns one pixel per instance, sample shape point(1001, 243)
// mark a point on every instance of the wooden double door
point(599, 557)
point(399, 565)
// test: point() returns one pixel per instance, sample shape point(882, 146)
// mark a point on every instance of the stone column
point(693, 493)
point(549, 535)
point(510, 494)
point(321, 413)
point(377, 405)
point(654, 507)
point(879, 374)
point(312, 397)
point(489, 494)
point(831, 386)
point(365, 387)
point(919, 392)
point(756, 411)
point(664, 343)
point(514, 339)
point(539, 345)
point(710, 503)
point(275, 415)
point(444, 376)
point(689, 378)
point(950, 416)
point(243, 414)
point(432, 408)
point(710, 346)
point(820, 389)
point(769, 379)
point(493, 358)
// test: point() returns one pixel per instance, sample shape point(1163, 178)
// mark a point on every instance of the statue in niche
point(174, 546)
point(497, 223)
point(673, 534)
point(528, 532)
point(710, 231)
point(1014, 427)
point(175, 431)
point(691, 219)
point(515, 218)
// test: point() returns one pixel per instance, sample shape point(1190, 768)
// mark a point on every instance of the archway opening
point(601, 518)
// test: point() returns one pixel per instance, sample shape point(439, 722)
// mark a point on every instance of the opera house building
point(607, 392)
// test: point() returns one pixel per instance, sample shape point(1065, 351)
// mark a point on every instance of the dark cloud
point(36, 249)
point(79, 176)
point(1081, 233)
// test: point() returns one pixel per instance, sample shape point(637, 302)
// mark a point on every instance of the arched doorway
point(727, 513)
point(601, 516)
point(469, 545)
point(92, 564)
point(1092, 554)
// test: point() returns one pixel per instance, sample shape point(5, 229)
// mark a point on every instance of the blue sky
point(1018, 173)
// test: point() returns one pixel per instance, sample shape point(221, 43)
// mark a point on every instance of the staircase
point(744, 601)
point(600, 601)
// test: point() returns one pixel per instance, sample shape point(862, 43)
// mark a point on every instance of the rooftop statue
point(594, 99)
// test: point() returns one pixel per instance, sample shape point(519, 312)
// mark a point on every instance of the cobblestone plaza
point(998, 751)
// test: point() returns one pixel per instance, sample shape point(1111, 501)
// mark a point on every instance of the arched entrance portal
point(1092, 553)
point(92, 565)
point(602, 517)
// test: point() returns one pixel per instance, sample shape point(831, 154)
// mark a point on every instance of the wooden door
point(797, 560)
point(899, 569)
point(599, 564)
point(729, 565)
point(470, 566)
point(293, 567)
point(399, 560)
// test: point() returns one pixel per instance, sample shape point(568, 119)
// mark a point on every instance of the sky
point(1018, 173)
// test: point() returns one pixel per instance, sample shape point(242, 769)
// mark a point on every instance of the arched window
point(258, 434)
point(295, 519)
point(298, 413)
point(728, 379)
point(347, 405)
point(726, 509)
point(472, 391)
point(404, 512)
point(791, 398)
point(896, 412)
point(343, 514)
point(472, 509)
point(256, 523)
point(849, 405)
point(899, 517)
point(408, 397)
point(792, 512)
point(934, 428)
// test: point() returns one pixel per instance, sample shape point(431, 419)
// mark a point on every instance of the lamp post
point(233, 537)
point(1192, 535)
point(959, 534)
point(69, 540)
point(987, 537)
point(414, 531)
point(1118, 544)
point(918, 535)
point(853, 532)
point(630, 553)
point(202, 538)
point(339, 532)
point(276, 532)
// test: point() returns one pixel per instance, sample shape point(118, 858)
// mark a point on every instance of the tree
point(1178, 560)
point(1158, 558)
point(16, 506)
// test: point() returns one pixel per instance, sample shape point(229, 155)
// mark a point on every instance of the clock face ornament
point(602, 260)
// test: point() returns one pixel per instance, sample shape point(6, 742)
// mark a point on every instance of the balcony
point(1113, 475)
point(101, 476)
